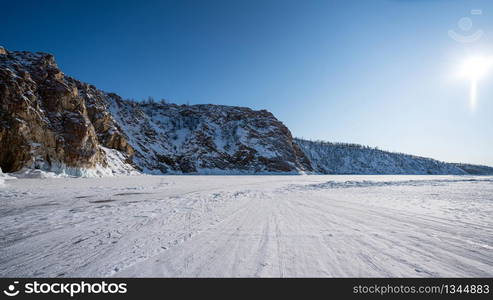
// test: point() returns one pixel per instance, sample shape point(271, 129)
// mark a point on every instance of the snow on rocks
point(55, 125)
point(206, 139)
point(343, 158)
point(4, 177)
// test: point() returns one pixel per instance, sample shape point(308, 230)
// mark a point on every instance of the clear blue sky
point(373, 72)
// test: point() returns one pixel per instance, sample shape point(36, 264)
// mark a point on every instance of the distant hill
point(341, 158)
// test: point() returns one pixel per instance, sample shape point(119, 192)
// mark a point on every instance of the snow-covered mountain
point(340, 158)
point(206, 139)
point(53, 122)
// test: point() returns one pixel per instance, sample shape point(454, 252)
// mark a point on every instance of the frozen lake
point(266, 226)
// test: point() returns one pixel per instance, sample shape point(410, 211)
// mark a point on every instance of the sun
point(473, 69)
point(476, 67)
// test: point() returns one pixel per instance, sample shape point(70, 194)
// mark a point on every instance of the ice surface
point(282, 226)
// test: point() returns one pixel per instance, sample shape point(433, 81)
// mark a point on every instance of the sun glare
point(473, 69)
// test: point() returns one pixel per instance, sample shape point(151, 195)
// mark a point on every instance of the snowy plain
point(247, 226)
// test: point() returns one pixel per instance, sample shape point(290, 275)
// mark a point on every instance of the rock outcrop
point(207, 139)
point(53, 122)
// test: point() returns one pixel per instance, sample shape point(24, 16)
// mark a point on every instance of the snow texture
point(4, 177)
point(116, 166)
point(248, 226)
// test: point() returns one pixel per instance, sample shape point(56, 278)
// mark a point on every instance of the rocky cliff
point(50, 121)
point(207, 139)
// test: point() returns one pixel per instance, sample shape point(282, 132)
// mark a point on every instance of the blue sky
point(379, 72)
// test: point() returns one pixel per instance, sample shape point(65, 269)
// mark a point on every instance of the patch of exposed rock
point(49, 120)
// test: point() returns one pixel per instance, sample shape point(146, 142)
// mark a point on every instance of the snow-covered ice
point(222, 226)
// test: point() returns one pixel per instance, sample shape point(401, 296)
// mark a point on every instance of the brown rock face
point(49, 120)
